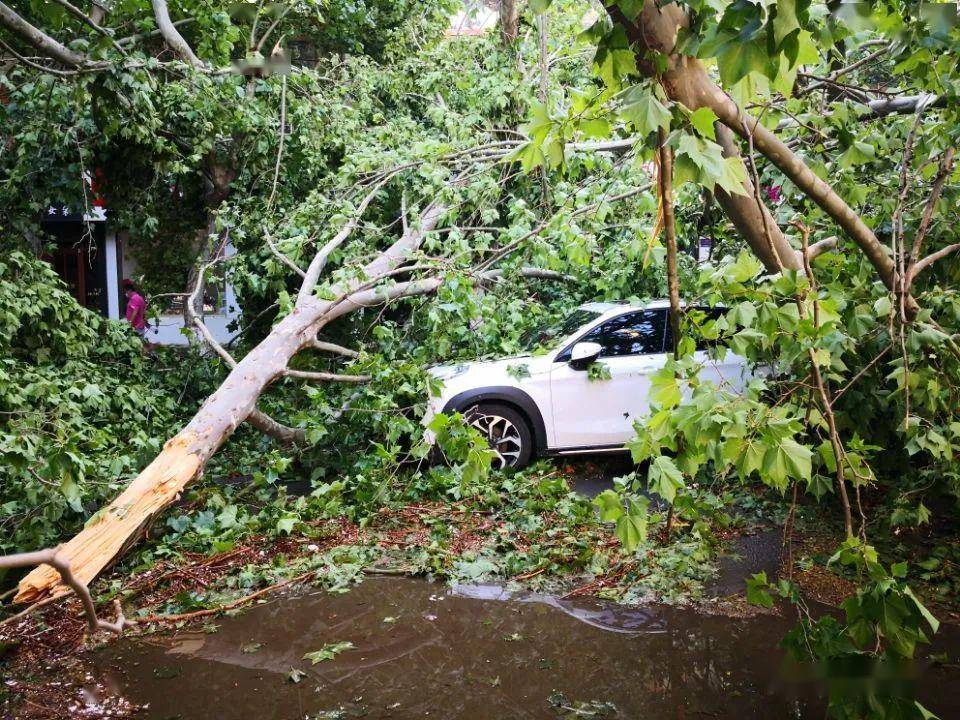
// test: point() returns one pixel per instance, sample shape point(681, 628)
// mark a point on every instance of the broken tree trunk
point(183, 458)
point(654, 32)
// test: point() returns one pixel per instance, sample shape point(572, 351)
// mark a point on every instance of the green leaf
point(632, 531)
point(857, 154)
point(518, 371)
point(882, 307)
point(758, 590)
point(664, 389)
point(922, 609)
point(614, 59)
point(798, 459)
point(530, 156)
point(286, 524)
point(644, 111)
point(630, 8)
point(734, 176)
point(664, 478)
point(539, 6)
point(598, 372)
point(740, 58)
point(703, 119)
point(707, 156)
point(595, 128)
point(71, 491)
point(819, 485)
point(785, 21)
point(746, 267)
point(328, 652)
point(611, 507)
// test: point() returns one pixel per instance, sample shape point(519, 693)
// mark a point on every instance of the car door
point(730, 372)
point(601, 412)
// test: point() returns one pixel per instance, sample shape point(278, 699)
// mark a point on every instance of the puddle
point(473, 652)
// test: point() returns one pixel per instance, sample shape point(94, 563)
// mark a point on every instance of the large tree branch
point(323, 346)
point(926, 262)
point(281, 256)
point(902, 105)
point(52, 558)
point(257, 418)
point(316, 266)
point(326, 376)
point(40, 40)
point(753, 219)
point(819, 248)
point(278, 431)
point(87, 20)
point(171, 35)
point(686, 81)
point(527, 272)
point(184, 456)
point(36, 66)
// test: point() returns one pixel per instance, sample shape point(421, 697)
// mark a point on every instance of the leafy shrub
point(79, 412)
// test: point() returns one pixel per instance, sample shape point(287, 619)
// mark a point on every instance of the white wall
point(168, 329)
point(113, 281)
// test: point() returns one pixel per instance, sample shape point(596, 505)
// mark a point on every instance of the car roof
point(607, 307)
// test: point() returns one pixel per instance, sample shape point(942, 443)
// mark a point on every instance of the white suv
point(548, 404)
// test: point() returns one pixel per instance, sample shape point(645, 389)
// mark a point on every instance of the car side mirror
point(584, 354)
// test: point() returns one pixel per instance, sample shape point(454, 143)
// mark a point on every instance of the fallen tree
point(685, 81)
point(184, 456)
point(655, 30)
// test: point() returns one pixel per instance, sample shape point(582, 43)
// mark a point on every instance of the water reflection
point(421, 650)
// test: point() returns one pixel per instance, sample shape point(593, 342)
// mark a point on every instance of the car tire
point(507, 431)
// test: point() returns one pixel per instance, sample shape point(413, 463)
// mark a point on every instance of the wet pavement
point(590, 475)
point(422, 650)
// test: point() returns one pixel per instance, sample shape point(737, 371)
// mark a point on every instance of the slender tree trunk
point(509, 22)
point(665, 183)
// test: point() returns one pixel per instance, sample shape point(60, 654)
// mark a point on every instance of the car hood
point(534, 364)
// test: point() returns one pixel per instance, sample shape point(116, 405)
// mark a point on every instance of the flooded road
point(424, 650)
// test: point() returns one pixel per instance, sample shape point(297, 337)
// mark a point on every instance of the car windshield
point(545, 336)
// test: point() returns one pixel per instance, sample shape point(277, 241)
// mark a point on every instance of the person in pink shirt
point(136, 308)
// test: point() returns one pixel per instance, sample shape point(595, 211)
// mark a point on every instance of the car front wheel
point(507, 432)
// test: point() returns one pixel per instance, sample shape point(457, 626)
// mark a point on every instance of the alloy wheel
point(502, 435)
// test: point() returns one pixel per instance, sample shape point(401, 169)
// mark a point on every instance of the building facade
point(93, 258)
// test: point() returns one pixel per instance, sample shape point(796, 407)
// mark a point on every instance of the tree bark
point(665, 185)
point(171, 35)
point(750, 217)
point(509, 22)
point(39, 39)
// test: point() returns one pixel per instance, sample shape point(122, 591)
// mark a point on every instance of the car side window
point(634, 333)
point(709, 313)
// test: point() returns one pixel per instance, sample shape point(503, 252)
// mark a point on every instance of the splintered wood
point(103, 539)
